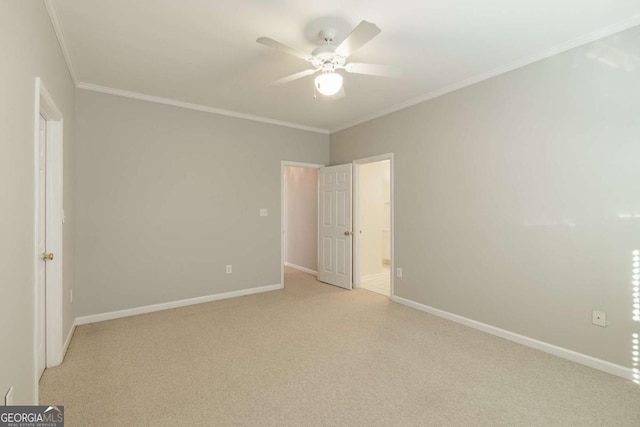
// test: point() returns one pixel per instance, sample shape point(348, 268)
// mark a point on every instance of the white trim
point(300, 268)
point(36, 246)
point(283, 164)
point(555, 50)
point(83, 320)
point(197, 107)
point(374, 276)
point(72, 330)
point(46, 106)
point(57, 27)
point(564, 353)
point(356, 219)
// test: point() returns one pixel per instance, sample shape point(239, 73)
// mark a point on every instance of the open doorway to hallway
point(374, 226)
point(300, 217)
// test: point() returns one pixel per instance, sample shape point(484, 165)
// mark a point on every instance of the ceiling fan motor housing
point(328, 34)
point(325, 55)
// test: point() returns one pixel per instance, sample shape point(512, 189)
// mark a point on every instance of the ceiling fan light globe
point(328, 83)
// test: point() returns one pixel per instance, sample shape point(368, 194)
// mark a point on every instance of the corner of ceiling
point(197, 107)
point(57, 27)
point(547, 53)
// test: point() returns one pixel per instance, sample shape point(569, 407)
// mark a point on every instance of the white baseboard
point(68, 340)
point(172, 304)
point(375, 276)
point(303, 269)
point(574, 356)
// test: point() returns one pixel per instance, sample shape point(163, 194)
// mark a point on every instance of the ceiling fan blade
point(373, 69)
point(284, 48)
point(293, 77)
point(360, 35)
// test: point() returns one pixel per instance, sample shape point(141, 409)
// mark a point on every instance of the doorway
point(299, 243)
point(373, 224)
point(338, 226)
point(48, 217)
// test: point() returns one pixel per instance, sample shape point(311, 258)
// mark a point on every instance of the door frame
point(45, 106)
point(283, 217)
point(356, 218)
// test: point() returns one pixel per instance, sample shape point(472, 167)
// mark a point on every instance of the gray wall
point(29, 49)
point(167, 197)
point(301, 225)
point(517, 199)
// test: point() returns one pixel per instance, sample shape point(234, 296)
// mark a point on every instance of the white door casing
point(335, 240)
point(42, 246)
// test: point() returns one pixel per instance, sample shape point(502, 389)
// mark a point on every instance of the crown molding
point(571, 44)
point(197, 107)
point(57, 27)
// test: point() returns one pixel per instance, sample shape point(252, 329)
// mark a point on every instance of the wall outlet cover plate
point(599, 318)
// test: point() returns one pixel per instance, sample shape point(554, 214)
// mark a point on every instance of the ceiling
point(204, 52)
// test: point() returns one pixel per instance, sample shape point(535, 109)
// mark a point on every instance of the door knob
point(346, 233)
point(47, 257)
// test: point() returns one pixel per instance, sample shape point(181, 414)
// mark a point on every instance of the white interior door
point(42, 246)
point(336, 237)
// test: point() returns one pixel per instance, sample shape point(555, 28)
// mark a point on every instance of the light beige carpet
point(313, 354)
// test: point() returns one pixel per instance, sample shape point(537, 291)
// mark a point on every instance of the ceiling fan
point(329, 58)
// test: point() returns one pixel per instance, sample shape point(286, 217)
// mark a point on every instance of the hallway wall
point(301, 190)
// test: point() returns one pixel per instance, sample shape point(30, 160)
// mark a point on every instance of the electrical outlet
point(599, 318)
point(263, 212)
point(399, 272)
point(229, 269)
point(8, 398)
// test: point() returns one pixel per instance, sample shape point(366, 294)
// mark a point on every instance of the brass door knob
point(346, 233)
point(47, 257)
